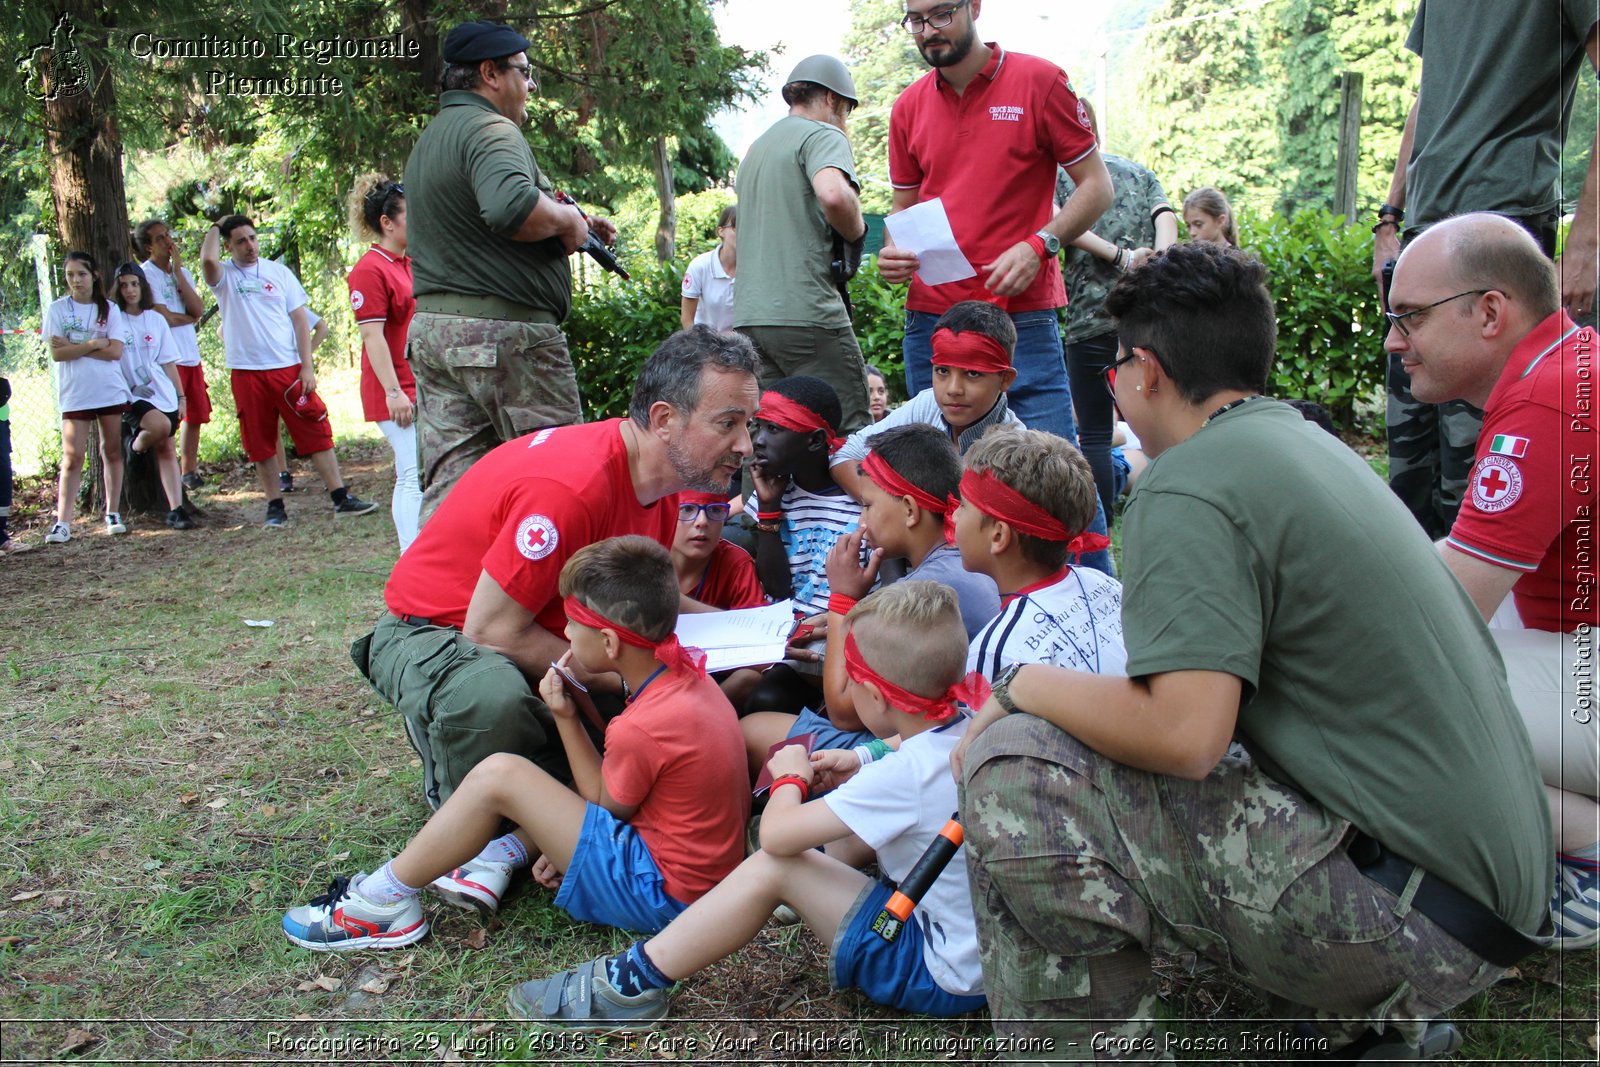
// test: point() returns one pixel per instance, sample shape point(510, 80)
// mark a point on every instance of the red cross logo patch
point(537, 537)
point(1496, 484)
point(268, 287)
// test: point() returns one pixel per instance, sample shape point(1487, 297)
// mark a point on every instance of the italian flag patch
point(1506, 445)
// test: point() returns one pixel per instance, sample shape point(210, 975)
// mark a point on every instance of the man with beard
point(983, 133)
point(475, 618)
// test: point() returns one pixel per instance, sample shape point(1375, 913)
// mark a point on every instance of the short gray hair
point(672, 373)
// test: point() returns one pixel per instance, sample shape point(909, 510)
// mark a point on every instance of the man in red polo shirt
point(1476, 316)
point(982, 133)
point(475, 618)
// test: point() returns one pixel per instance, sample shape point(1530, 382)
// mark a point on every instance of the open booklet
point(743, 637)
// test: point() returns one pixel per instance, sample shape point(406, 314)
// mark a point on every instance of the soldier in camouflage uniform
point(489, 246)
point(1378, 849)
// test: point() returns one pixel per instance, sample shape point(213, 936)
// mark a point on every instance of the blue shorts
point(828, 735)
point(613, 879)
point(890, 972)
point(1119, 472)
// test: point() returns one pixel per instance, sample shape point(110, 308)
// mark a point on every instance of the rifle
point(596, 251)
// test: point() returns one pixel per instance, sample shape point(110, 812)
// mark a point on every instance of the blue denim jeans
point(1041, 396)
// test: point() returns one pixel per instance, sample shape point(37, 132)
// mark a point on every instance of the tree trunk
point(667, 227)
point(85, 149)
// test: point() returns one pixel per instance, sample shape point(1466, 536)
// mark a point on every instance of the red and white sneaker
point(342, 920)
point(477, 885)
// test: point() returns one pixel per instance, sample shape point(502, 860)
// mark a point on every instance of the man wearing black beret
point(489, 247)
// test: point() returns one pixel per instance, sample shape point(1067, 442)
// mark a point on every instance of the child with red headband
point(643, 834)
point(904, 647)
point(714, 571)
point(972, 347)
point(1026, 499)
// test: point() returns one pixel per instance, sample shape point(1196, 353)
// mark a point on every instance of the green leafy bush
point(613, 328)
point(1330, 325)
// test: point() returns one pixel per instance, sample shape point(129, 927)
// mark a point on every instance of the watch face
point(1052, 243)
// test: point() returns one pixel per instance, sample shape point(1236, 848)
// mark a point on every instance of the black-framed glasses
point(714, 512)
point(382, 191)
point(1398, 321)
point(526, 70)
point(937, 19)
point(1109, 373)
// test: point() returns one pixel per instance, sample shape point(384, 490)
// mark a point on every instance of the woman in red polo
point(380, 295)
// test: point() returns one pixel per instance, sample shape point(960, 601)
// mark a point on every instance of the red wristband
point(769, 516)
point(1037, 244)
point(794, 780)
point(838, 602)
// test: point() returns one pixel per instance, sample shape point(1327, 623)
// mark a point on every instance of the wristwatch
point(1052, 243)
point(1000, 688)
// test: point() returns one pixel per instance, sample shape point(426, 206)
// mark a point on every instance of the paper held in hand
point(925, 229)
point(740, 638)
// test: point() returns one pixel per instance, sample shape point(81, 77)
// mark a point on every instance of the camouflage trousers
point(1431, 448)
point(480, 383)
point(1082, 869)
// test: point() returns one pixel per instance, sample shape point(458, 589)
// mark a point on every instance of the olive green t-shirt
point(1264, 548)
point(785, 242)
point(470, 183)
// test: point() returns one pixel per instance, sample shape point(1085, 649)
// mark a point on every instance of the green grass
point(176, 779)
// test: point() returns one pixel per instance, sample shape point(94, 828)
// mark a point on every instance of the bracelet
point(1389, 209)
point(766, 527)
point(1386, 222)
point(840, 604)
point(794, 780)
point(1120, 260)
point(769, 516)
point(1000, 689)
point(875, 749)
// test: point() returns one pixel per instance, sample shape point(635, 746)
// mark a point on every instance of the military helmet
point(828, 72)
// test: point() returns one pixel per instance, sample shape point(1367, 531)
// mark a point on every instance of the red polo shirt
point(990, 155)
point(1530, 503)
point(518, 515)
point(380, 291)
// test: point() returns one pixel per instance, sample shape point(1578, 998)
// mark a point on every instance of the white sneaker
point(477, 885)
point(59, 534)
point(114, 523)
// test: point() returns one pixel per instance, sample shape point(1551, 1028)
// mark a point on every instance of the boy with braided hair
point(904, 647)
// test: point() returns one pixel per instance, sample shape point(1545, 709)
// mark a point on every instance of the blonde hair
point(1213, 203)
point(373, 196)
point(911, 633)
point(1048, 471)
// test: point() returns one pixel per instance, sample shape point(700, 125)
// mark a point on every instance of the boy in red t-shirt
point(645, 832)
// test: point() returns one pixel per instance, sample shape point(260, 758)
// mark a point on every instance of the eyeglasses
point(524, 69)
point(1399, 321)
point(714, 512)
point(914, 24)
point(1110, 373)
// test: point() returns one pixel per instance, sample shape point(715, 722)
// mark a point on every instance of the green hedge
point(1330, 329)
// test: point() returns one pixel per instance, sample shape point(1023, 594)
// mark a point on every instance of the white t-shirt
point(255, 301)
point(707, 282)
point(812, 522)
point(897, 805)
point(165, 288)
point(1074, 623)
point(86, 383)
point(146, 351)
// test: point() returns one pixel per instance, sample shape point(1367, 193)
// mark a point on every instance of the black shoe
point(193, 481)
point(285, 482)
point(179, 520)
point(277, 517)
point(353, 505)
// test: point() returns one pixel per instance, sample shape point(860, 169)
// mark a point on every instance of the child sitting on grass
point(907, 480)
point(1026, 499)
point(904, 648)
point(647, 830)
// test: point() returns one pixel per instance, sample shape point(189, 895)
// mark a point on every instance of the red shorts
point(91, 414)
point(258, 395)
point(196, 397)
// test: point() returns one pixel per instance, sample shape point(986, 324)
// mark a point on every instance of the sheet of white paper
point(925, 229)
point(739, 638)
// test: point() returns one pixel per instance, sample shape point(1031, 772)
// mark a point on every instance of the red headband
point(793, 415)
point(972, 690)
point(969, 350)
point(888, 479)
point(997, 499)
point(694, 496)
point(674, 655)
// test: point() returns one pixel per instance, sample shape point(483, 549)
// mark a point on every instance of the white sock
point(507, 848)
point(382, 887)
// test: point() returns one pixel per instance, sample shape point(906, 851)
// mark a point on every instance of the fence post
point(1344, 192)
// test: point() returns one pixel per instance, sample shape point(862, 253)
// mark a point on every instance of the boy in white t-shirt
point(904, 648)
point(1026, 499)
point(267, 342)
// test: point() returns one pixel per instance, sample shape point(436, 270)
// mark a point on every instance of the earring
point(1138, 388)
